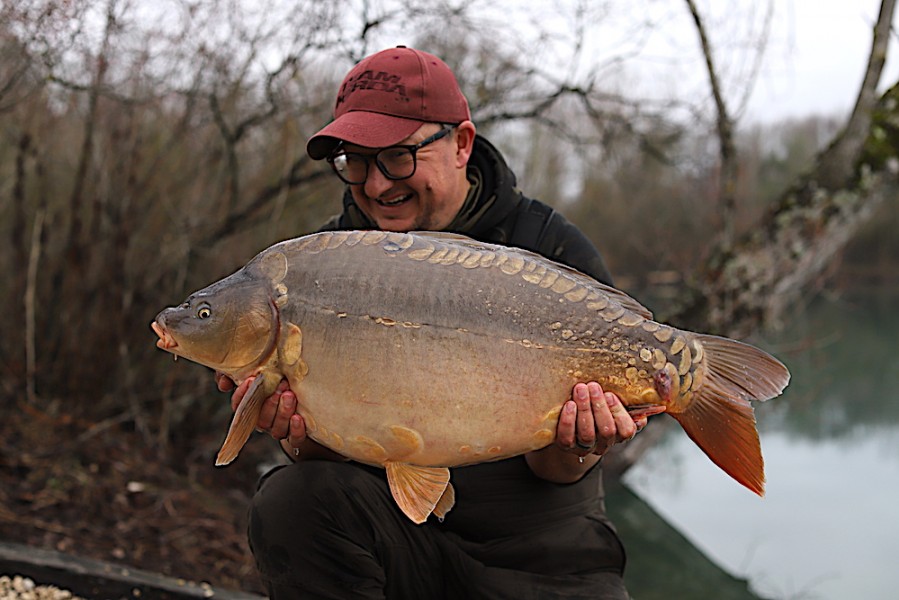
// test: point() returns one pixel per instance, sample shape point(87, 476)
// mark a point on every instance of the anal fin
point(418, 490)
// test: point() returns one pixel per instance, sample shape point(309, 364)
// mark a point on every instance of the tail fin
point(720, 418)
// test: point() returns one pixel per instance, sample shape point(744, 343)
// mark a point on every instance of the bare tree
point(764, 272)
point(754, 281)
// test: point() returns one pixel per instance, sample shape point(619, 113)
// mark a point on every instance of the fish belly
point(429, 397)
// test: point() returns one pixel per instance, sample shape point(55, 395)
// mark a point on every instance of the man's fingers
point(594, 420)
point(566, 428)
point(240, 392)
point(585, 427)
point(296, 431)
point(602, 415)
point(268, 412)
point(624, 424)
point(223, 382)
point(287, 406)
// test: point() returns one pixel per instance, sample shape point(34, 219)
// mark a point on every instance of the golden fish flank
point(468, 319)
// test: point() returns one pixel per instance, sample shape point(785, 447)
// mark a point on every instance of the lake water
point(828, 526)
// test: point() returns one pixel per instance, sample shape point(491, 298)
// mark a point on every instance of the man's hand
point(590, 423)
point(279, 419)
point(593, 421)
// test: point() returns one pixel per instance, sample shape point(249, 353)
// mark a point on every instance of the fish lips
point(165, 341)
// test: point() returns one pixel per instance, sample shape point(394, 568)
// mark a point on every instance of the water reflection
point(827, 527)
point(844, 357)
point(663, 564)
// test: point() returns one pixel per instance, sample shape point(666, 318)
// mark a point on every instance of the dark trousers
point(322, 529)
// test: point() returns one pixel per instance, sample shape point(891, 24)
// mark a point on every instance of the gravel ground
point(23, 588)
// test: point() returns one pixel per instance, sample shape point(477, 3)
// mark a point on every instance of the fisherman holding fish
point(531, 526)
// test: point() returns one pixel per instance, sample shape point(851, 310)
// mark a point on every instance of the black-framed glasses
point(394, 162)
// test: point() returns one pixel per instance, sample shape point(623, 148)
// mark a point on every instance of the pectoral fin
point(292, 350)
point(245, 419)
point(419, 490)
point(645, 410)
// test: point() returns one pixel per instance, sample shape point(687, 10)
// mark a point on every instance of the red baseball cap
point(386, 97)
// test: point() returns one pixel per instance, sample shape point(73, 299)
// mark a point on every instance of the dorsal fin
point(448, 236)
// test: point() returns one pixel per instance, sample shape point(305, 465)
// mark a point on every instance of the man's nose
point(376, 183)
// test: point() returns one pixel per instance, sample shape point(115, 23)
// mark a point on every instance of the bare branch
point(757, 60)
point(726, 146)
point(30, 316)
point(238, 220)
point(767, 270)
point(838, 165)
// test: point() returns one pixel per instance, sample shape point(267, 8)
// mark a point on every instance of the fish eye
point(204, 312)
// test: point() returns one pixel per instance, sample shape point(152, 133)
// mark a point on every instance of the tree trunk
point(751, 283)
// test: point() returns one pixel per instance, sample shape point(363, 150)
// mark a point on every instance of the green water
point(828, 526)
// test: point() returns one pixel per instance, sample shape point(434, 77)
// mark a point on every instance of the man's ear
point(465, 134)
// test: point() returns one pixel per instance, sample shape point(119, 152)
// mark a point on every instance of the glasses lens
point(351, 168)
point(396, 162)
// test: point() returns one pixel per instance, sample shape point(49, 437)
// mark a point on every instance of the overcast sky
point(814, 59)
point(817, 58)
point(813, 63)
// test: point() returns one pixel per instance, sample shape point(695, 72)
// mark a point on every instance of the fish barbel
point(406, 350)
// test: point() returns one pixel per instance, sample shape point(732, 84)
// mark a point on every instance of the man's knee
point(304, 494)
point(311, 521)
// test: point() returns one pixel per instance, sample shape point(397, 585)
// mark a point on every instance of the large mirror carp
point(423, 351)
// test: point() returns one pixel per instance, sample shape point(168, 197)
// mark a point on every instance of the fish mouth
point(165, 341)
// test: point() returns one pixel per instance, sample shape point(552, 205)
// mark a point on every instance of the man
point(533, 526)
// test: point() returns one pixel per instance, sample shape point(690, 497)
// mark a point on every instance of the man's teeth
point(394, 202)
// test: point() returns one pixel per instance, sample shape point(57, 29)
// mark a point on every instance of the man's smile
point(395, 201)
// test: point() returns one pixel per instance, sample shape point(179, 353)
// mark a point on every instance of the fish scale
point(406, 351)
